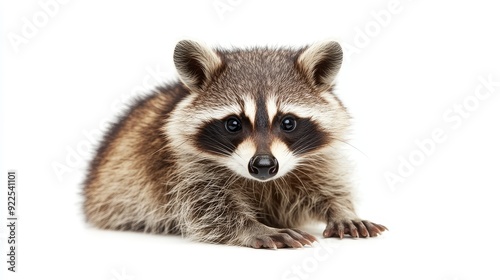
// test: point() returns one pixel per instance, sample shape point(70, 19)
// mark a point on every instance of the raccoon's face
point(259, 112)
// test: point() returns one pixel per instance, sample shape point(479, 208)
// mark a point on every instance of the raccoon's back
point(122, 183)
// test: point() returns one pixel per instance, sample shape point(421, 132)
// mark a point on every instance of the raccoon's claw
point(283, 238)
point(354, 228)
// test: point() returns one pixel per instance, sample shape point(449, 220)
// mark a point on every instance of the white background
point(402, 74)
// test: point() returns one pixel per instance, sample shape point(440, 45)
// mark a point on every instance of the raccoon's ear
point(320, 63)
point(196, 64)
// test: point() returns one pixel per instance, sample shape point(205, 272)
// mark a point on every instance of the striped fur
point(170, 166)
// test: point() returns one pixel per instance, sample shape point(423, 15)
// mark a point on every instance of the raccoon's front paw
point(354, 228)
point(282, 238)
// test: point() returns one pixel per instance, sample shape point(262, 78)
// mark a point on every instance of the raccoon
point(242, 150)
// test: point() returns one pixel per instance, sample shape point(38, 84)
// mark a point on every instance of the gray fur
point(150, 175)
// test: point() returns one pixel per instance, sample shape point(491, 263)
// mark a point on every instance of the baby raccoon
point(242, 151)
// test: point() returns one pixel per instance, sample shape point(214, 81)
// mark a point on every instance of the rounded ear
point(320, 63)
point(196, 64)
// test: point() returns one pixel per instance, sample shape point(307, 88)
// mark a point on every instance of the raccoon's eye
point(233, 125)
point(288, 124)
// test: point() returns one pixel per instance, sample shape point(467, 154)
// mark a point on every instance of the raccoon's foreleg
point(220, 218)
point(341, 219)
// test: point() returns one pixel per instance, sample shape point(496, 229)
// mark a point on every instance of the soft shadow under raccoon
point(242, 151)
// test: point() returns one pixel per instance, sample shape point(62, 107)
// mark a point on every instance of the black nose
point(263, 166)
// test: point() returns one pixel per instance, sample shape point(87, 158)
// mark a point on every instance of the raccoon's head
point(259, 112)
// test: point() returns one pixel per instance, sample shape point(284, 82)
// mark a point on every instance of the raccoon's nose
point(263, 166)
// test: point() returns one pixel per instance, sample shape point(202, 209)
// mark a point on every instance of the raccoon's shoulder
point(148, 111)
point(144, 116)
point(161, 101)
